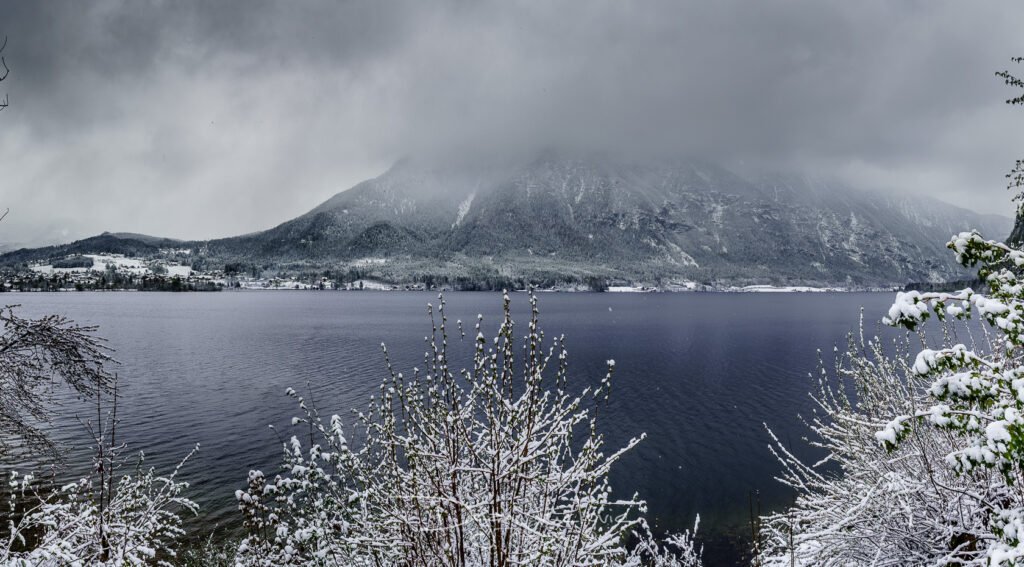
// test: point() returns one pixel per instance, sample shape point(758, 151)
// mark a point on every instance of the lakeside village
point(116, 272)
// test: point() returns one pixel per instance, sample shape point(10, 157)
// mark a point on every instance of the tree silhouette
point(1015, 177)
point(6, 71)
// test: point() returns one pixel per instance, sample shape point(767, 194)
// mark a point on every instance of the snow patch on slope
point(463, 209)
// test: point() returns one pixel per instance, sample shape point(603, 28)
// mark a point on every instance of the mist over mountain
point(565, 218)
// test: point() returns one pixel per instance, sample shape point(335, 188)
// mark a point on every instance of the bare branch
point(7, 71)
point(35, 355)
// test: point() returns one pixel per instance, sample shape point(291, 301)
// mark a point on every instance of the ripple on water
point(699, 373)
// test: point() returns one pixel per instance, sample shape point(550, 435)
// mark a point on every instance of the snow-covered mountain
point(687, 219)
point(569, 219)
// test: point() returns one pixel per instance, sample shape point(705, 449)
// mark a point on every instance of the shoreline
point(755, 289)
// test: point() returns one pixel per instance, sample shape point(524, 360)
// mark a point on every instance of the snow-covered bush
point(111, 517)
point(865, 504)
point(138, 523)
point(492, 465)
point(930, 454)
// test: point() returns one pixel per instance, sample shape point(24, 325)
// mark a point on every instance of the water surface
point(700, 373)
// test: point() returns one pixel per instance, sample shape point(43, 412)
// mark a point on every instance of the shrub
point(930, 456)
point(492, 465)
point(137, 522)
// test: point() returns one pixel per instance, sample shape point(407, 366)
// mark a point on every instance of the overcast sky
point(207, 119)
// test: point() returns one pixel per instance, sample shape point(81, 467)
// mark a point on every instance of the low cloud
point(198, 120)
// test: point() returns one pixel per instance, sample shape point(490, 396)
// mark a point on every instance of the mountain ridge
point(559, 218)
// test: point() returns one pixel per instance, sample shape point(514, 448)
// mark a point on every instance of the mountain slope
point(125, 244)
point(559, 218)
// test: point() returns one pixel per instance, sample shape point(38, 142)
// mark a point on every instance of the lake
point(700, 373)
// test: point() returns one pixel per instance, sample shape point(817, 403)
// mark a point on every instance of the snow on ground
point(50, 270)
point(273, 284)
point(628, 289)
point(463, 209)
point(181, 271)
point(784, 289)
point(369, 261)
point(370, 284)
point(681, 286)
point(100, 263)
point(103, 262)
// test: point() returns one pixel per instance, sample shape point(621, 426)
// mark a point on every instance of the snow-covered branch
point(497, 464)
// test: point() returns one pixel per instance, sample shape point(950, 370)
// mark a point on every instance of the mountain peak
point(561, 217)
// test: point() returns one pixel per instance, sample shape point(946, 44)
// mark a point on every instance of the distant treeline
point(74, 262)
point(476, 280)
point(109, 282)
point(955, 285)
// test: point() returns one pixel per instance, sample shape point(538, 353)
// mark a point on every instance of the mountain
point(121, 243)
point(158, 241)
point(579, 217)
point(568, 219)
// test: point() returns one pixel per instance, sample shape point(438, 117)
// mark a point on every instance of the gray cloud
point(195, 119)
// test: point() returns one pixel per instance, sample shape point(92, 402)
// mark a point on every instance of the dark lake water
point(700, 373)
